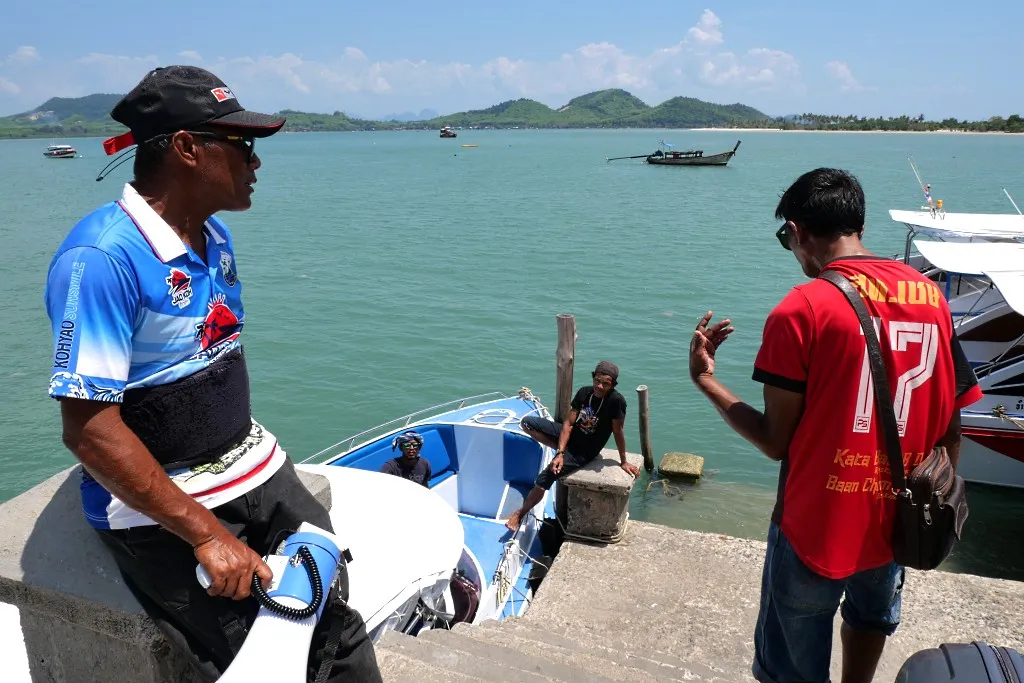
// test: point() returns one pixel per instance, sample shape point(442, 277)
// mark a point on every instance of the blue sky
point(373, 59)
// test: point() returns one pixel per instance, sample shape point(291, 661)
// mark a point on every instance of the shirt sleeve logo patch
point(227, 269)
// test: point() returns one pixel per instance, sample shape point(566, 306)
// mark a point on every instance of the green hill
point(88, 109)
point(522, 113)
point(687, 112)
point(64, 116)
point(613, 108)
point(603, 104)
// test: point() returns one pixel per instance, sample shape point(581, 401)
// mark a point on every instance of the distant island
point(614, 108)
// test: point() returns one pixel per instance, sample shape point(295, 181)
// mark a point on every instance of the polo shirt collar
point(162, 239)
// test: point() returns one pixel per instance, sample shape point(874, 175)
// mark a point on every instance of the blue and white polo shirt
point(131, 305)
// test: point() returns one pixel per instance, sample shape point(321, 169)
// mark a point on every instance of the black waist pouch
point(195, 419)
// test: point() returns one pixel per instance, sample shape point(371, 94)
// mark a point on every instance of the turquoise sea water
point(386, 272)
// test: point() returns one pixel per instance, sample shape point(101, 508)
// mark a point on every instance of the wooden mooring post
point(565, 357)
point(645, 428)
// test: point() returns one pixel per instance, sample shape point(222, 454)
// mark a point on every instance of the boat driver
point(144, 298)
point(409, 465)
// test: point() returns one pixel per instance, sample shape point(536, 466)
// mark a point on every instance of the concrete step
point(602, 647)
point(396, 667)
point(512, 656)
point(437, 658)
point(604, 662)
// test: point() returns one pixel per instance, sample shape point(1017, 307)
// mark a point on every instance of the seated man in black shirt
point(409, 464)
point(596, 412)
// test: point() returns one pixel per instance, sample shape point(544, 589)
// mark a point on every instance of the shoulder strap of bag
point(883, 399)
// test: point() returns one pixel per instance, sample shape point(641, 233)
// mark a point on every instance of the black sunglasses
point(782, 234)
point(247, 145)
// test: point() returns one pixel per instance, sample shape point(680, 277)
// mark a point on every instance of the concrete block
point(681, 465)
point(79, 619)
point(318, 485)
point(597, 499)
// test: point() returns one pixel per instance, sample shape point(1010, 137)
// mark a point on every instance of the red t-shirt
point(835, 496)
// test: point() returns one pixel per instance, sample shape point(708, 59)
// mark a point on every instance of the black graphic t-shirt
point(419, 473)
point(594, 421)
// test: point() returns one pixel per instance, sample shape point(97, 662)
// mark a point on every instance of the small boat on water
point(60, 152)
point(447, 132)
point(690, 157)
point(482, 467)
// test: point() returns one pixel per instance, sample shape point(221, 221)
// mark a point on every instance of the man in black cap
point(144, 299)
point(595, 413)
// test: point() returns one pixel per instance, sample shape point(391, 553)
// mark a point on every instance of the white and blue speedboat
point(483, 466)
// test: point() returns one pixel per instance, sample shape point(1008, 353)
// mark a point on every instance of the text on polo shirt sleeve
point(92, 302)
point(783, 358)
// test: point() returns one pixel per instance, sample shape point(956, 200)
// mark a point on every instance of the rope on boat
point(1000, 412)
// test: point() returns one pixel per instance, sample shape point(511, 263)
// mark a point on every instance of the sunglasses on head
point(247, 145)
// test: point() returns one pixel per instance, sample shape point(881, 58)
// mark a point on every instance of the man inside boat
point(144, 299)
point(830, 535)
point(409, 465)
point(595, 413)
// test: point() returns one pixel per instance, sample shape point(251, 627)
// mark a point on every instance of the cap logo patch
point(222, 94)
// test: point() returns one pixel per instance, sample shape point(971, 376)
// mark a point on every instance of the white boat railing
point(405, 420)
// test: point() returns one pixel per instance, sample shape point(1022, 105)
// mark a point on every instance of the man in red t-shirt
point(830, 535)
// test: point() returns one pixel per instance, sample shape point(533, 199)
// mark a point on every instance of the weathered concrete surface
point(81, 623)
point(695, 596)
point(597, 498)
point(683, 465)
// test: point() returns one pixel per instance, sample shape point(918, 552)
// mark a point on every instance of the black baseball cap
point(173, 98)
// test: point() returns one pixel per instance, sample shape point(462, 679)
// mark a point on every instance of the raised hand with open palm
point(705, 343)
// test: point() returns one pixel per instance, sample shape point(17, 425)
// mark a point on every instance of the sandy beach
point(859, 132)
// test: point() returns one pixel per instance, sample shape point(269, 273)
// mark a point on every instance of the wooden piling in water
point(645, 428)
point(565, 357)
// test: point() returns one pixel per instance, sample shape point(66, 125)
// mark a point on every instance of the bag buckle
point(905, 493)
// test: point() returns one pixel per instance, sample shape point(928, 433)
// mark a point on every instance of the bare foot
point(513, 522)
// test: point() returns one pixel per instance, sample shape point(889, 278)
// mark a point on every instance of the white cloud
point(23, 55)
point(847, 81)
point(698, 65)
point(8, 87)
point(758, 69)
point(708, 30)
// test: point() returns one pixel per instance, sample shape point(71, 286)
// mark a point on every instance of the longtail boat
point(691, 157)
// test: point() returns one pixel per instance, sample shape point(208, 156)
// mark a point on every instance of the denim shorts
point(793, 636)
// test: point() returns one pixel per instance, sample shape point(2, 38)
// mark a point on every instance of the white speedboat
point(483, 466)
point(978, 261)
point(60, 152)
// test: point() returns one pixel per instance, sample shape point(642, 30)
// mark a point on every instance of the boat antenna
point(925, 188)
point(1012, 202)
